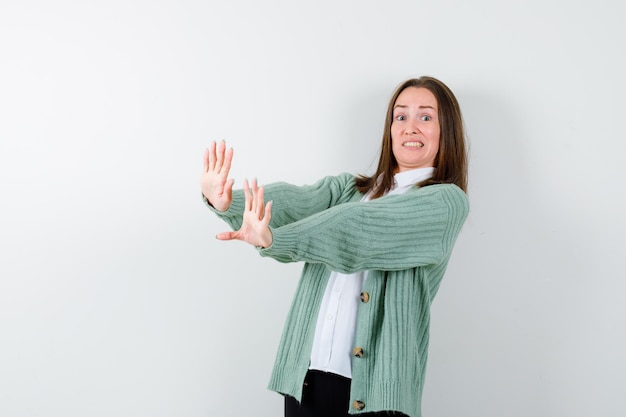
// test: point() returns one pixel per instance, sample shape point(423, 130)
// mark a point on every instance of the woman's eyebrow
point(419, 107)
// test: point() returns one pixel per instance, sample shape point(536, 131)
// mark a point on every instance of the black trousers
point(325, 395)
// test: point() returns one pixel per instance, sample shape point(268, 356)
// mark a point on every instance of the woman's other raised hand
point(255, 228)
point(214, 182)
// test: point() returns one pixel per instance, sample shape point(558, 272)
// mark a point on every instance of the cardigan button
point(358, 405)
point(358, 352)
point(365, 297)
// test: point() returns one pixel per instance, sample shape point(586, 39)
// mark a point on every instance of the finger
point(220, 155)
point(205, 160)
point(212, 156)
point(228, 187)
point(228, 159)
point(255, 194)
point(248, 195)
point(267, 216)
point(261, 203)
point(226, 236)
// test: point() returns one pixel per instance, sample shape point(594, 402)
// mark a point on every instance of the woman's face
point(415, 129)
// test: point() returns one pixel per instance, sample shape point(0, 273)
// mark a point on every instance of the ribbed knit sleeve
point(291, 202)
point(395, 232)
point(234, 214)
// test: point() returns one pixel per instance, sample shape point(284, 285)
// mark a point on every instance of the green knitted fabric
point(404, 241)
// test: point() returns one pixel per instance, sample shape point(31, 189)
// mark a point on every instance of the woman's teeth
point(413, 144)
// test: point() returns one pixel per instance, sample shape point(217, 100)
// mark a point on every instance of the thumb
point(226, 236)
point(228, 188)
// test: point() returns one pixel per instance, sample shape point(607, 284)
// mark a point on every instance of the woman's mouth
point(415, 144)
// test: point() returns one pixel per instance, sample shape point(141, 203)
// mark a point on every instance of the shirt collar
point(413, 176)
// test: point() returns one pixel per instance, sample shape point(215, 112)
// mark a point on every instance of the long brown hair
point(451, 160)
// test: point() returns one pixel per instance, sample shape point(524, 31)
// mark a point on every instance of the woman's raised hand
point(256, 219)
point(214, 182)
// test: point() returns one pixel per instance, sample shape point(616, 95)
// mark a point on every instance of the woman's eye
point(400, 117)
point(425, 118)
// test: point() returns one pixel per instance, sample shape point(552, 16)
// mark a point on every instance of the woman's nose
point(412, 128)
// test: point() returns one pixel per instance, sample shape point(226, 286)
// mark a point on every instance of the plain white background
point(115, 298)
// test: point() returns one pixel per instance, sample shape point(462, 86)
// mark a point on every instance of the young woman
point(375, 250)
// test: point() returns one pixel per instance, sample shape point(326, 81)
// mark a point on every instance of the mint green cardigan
point(404, 241)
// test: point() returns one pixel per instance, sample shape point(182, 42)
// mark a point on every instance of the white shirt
point(336, 321)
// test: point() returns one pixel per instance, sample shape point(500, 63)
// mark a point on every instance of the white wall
point(116, 300)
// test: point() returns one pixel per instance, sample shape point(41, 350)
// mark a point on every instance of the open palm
point(256, 219)
point(214, 182)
